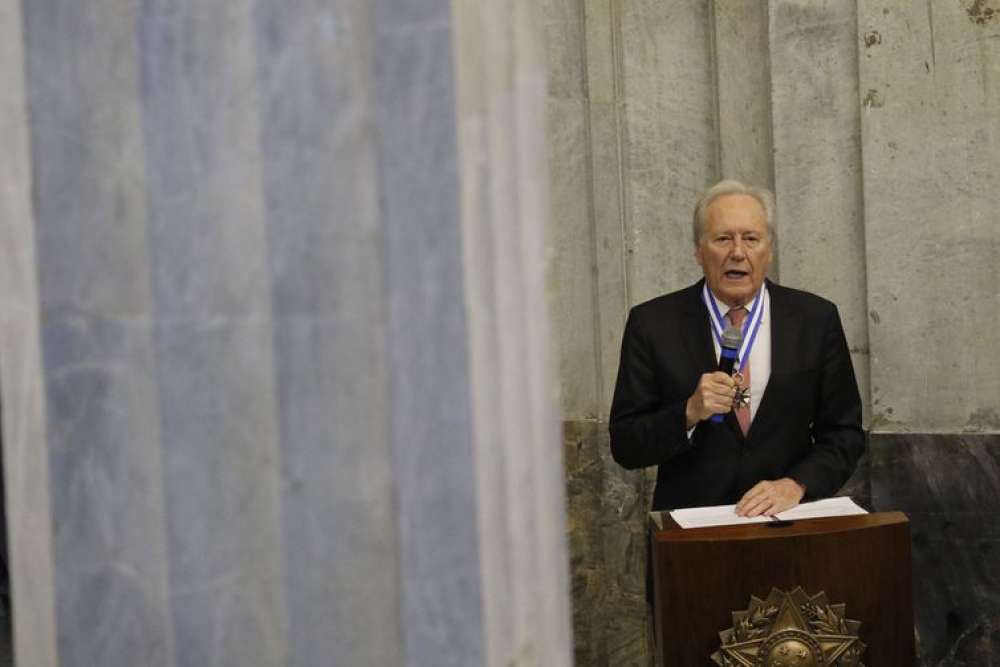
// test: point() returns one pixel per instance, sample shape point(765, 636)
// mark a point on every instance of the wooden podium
point(702, 575)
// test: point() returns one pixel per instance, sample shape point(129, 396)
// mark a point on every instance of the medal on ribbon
point(742, 397)
point(751, 325)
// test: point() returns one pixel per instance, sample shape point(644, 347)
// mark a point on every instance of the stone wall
point(276, 375)
point(877, 126)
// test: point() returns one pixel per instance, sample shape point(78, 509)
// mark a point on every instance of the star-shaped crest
point(790, 630)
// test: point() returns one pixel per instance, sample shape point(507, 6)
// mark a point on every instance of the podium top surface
point(671, 532)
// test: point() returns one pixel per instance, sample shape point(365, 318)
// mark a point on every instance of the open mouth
point(736, 274)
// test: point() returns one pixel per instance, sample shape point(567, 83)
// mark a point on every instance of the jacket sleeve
point(838, 440)
point(646, 429)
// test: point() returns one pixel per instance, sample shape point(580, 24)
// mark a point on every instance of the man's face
point(735, 248)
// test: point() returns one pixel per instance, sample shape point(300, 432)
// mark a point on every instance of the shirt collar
point(723, 308)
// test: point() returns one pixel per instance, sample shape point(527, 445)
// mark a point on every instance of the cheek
point(718, 258)
point(761, 260)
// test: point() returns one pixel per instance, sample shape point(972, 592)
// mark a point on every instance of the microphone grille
point(732, 337)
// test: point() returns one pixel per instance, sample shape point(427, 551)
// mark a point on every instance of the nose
point(739, 250)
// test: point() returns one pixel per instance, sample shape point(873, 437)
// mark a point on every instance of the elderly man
point(795, 431)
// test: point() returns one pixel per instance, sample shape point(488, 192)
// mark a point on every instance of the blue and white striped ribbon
point(751, 324)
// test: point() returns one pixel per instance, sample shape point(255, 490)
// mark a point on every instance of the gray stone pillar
point(275, 369)
point(817, 161)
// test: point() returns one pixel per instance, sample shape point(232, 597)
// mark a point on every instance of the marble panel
point(108, 544)
point(340, 541)
point(410, 14)
point(213, 331)
point(319, 172)
point(202, 139)
point(504, 203)
point(607, 509)
point(430, 416)
point(606, 109)
point(955, 587)
point(588, 577)
point(88, 251)
point(743, 83)
point(220, 476)
point(563, 39)
point(82, 85)
point(526, 608)
point(817, 161)
point(602, 54)
point(949, 486)
point(572, 273)
point(26, 462)
point(670, 149)
point(263, 389)
point(935, 472)
point(930, 116)
point(627, 499)
point(341, 561)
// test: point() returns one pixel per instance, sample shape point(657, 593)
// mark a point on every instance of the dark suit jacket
point(807, 426)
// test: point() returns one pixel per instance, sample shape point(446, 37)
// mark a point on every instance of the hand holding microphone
point(715, 392)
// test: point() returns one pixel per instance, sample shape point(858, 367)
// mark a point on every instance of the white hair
point(732, 187)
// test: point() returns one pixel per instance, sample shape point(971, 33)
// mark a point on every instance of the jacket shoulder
point(806, 303)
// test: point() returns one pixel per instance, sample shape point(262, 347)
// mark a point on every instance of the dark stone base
point(949, 486)
point(607, 509)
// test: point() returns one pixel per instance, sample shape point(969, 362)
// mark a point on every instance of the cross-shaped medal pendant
point(742, 398)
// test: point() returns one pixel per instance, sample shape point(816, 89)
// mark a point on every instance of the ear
point(698, 256)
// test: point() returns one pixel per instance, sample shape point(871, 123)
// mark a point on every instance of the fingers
point(720, 378)
point(788, 493)
point(756, 501)
point(719, 384)
point(714, 395)
point(769, 498)
point(758, 507)
point(716, 403)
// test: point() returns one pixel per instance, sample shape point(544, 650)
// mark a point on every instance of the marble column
point(275, 369)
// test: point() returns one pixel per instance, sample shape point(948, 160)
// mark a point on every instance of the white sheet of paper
point(725, 515)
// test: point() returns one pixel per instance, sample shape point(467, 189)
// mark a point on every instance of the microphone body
point(732, 338)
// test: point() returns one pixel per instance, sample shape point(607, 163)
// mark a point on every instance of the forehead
point(736, 210)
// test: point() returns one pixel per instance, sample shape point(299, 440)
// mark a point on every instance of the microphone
point(732, 338)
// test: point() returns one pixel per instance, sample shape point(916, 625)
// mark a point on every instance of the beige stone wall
point(877, 125)
point(930, 118)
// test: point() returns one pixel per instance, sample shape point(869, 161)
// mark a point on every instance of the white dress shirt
point(760, 353)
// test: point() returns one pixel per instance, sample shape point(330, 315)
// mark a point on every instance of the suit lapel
point(698, 339)
point(784, 332)
point(696, 334)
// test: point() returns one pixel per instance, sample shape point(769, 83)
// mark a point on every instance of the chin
point(736, 295)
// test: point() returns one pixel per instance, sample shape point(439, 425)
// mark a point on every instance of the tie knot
point(737, 315)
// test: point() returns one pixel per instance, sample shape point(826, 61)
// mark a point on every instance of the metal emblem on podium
point(791, 629)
